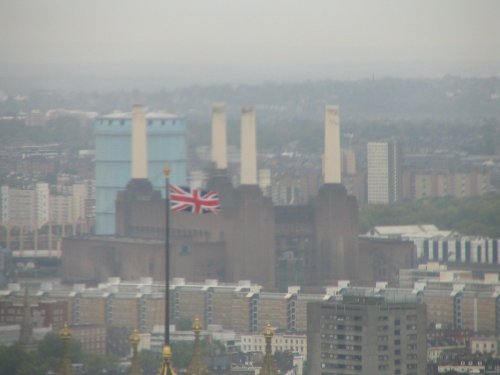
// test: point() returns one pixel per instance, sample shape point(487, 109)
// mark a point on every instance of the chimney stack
point(331, 159)
point(139, 143)
point(219, 138)
point(248, 147)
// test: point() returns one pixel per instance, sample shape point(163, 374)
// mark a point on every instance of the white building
point(383, 172)
point(42, 203)
point(283, 342)
point(437, 245)
point(484, 345)
point(36, 207)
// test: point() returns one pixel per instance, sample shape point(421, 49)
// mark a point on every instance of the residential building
point(92, 338)
point(19, 207)
point(45, 313)
point(484, 344)
point(283, 342)
point(451, 303)
point(384, 177)
point(35, 207)
point(428, 184)
point(361, 334)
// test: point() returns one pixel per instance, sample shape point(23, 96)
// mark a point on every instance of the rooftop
point(158, 115)
point(409, 231)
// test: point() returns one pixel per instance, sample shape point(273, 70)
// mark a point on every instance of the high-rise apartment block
point(427, 184)
point(166, 141)
point(33, 208)
point(25, 207)
point(384, 172)
point(362, 334)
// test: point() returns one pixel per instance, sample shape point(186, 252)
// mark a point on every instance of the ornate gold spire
point(197, 365)
point(135, 366)
point(166, 367)
point(268, 367)
point(26, 340)
point(65, 368)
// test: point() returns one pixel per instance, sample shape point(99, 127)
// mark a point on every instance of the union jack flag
point(197, 201)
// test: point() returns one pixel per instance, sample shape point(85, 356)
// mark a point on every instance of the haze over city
point(249, 187)
point(158, 44)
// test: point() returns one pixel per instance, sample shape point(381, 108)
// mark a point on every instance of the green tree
point(471, 216)
point(181, 353)
point(14, 361)
point(184, 323)
point(283, 360)
point(51, 347)
point(150, 361)
point(95, 364)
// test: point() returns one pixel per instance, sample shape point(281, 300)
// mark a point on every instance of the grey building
point(384, 177)
point(362, 334)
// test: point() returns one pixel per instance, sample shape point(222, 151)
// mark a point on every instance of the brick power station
point(246, 239)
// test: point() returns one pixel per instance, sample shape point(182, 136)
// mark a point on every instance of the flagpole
point(166, 172)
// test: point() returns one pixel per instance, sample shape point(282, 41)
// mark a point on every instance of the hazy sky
point(256, 33)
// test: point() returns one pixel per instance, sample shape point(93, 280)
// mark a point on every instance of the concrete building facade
point(428, 184)
point(367, 334)
point(283, 342)
point(384, 175)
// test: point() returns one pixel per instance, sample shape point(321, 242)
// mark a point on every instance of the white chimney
point(248, 147)
point(139, 143)
point(219, 136)
point(331, 159)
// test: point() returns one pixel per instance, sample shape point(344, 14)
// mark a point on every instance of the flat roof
point(158, 115)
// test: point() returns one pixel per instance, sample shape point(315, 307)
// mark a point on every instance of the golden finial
point(268, 367)
point(135, 368)
point(167, 352)
point(197, 365)
point(196, 327)
point(65, 333)
point(166, 170)
point(134, 338)
point(65, 367)
point(268, 331)
point(166, 367)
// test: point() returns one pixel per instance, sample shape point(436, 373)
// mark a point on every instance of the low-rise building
point(485, 345)
point(282, 342)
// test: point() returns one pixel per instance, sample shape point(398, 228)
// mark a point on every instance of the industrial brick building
point(245, 241)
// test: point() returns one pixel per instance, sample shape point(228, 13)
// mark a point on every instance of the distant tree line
point(65, 130)
point(14, 361)
point(479, 216)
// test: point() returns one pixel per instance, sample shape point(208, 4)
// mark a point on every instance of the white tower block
point(139, 143)
point(248, 147)
point(219, 137)
point(331, 159)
